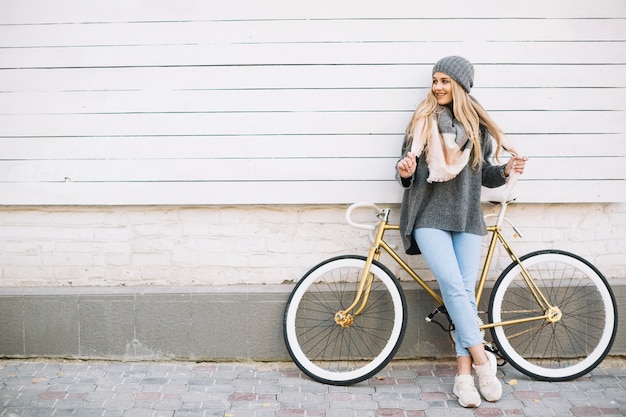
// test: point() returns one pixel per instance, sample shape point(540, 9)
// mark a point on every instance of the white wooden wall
point(271, 102)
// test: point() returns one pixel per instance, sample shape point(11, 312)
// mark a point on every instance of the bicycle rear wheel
point(569, 347)
point(343, 355)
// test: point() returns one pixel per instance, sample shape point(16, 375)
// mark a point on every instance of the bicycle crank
point(344, 319)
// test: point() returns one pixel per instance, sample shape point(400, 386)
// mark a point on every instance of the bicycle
point(551, 314)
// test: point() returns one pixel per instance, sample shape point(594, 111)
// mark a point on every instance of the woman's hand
point(407, 165)
point(515, 164)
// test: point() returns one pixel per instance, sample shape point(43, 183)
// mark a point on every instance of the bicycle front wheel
point(339, 354)
point(560, 349)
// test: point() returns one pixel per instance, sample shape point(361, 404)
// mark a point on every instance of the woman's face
point(442, 88)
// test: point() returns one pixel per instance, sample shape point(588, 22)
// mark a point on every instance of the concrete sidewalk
point(55, 388)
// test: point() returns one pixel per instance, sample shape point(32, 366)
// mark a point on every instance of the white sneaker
point(490, 386)
point(466, 391)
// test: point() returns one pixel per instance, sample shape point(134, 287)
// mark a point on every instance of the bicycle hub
point(554, 314)
point(344, 319)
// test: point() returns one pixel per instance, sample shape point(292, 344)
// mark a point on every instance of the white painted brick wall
point(112, 246)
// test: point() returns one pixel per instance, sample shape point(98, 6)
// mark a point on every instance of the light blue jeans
point(454, 259)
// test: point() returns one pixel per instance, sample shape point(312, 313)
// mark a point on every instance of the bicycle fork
point(345, 318)
point(552, 314)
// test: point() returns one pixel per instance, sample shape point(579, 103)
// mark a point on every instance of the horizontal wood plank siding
point(277, 102)
point(73, 11)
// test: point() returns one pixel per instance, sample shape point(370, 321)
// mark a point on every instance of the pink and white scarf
point(449, 147)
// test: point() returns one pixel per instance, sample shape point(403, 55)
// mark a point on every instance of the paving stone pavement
point(56, 388)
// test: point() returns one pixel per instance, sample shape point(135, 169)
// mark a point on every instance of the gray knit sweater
point(452, 205)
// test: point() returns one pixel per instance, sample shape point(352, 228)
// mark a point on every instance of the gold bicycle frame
point(345, 317)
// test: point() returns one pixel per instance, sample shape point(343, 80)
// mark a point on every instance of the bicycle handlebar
point(365, 226)
point(507, 194)
point(502, 194)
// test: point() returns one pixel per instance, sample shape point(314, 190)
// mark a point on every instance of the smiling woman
point(445, 160)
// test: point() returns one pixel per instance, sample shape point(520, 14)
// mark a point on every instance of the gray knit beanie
point(457, 68)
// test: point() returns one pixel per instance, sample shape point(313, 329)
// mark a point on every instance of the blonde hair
point(466, 110)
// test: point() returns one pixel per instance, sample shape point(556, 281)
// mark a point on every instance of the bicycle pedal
point(489, 347)
point(493, 349)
